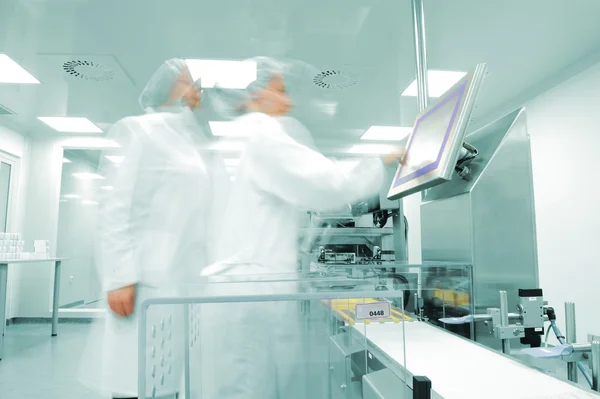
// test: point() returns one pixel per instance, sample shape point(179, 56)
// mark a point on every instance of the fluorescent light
point(88, 176)
point(232, 162)
point(371, 149)
point(65, 160)
point(386, 133)
point(65, 124)
point(227, 146)
point(87, 202)
point(89, 142)
point(226, 129)
point(438, 82)
point(71, 196)
point(11, 72)
point(115, 158)
point(227, 74)
point(107, 188)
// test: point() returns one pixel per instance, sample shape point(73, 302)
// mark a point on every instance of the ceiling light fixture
point(71, 196)
point(438, 83)
point(227, 146)
point(386, 133)
point(11, 72)
point(65, 124)
point(65, 160)
point(225, 129)
point(82, 143)
point(88, 176)
point(107, 188)
point(232, 162)
point(227, 74)
point(115, 158)
point(372, 149)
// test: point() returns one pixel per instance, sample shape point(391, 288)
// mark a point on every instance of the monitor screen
point(436, 139)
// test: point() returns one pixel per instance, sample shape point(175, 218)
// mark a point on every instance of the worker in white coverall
point(153, 232)
point(254, 351)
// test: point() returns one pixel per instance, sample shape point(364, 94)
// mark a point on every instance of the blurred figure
point(255, 351)
point(153, 232)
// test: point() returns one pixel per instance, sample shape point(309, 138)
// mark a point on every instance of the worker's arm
point(304, 177)
point(116, 240)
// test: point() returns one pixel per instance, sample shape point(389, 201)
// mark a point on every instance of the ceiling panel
point(369, 41)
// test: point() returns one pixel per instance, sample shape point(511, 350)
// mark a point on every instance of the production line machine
point(478, 244)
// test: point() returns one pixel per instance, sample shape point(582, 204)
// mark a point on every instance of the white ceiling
point(524, 43)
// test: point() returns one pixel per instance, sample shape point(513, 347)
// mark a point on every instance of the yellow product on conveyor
point(450, 297)
point(345, 309)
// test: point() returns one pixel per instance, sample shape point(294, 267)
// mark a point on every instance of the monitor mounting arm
point(467, 154)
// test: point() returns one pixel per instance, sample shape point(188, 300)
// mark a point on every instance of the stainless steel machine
point(486, 218)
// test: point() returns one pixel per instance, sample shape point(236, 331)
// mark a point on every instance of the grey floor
point(38, 366)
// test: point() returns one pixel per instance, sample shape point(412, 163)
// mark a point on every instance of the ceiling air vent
point(335, 79)
point(5, 111)
point(89, 70)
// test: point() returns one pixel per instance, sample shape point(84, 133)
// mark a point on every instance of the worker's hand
point(395, 156)
point(122, 300)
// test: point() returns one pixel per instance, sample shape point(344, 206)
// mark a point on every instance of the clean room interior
point(92, 59)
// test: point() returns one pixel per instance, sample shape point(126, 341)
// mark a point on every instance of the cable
point(547, 335)
point(561, 339)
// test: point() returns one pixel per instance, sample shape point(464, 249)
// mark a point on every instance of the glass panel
point(4, 194)
point(80, 286)
point(267, 339)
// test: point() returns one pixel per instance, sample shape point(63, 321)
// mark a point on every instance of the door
point(5, 170)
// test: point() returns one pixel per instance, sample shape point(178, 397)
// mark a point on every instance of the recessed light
point(65, 160)
point(115, 158)
point(227, 74)
point(386, 133)
point(107, 188)
point(438, 83)
point(88, 176)
point(232, 162)
point(89, 142)
point(226, 129)
point(71, 196)
point(11, 72)
point(373, 149)
point(65, 124)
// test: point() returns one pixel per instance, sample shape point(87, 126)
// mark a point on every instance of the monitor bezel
point(455, 136)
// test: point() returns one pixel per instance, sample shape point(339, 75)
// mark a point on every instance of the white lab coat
point(256, 350)
point(154, 231)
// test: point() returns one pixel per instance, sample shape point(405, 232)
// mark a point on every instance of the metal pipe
point(595, 360)
point(420, 54)
point(504, 319)
point(581, 348)
point(503, 309)
point(571, 338)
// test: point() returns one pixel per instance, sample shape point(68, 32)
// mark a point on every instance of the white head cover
point(158, 90)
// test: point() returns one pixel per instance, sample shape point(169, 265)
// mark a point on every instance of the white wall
point(40, 223)
point(15, 145)
point(564, 124)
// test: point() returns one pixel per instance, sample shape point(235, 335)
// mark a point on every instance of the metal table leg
point(3, 288)
point(55, 298)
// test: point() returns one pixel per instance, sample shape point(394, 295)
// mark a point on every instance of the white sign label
point(377, 310)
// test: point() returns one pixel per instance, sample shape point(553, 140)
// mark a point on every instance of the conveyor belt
point(345, 310)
